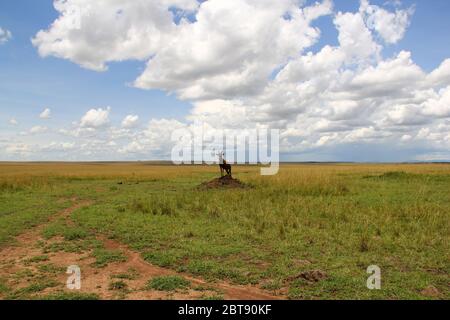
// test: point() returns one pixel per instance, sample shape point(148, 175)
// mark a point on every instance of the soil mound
point(224, 182)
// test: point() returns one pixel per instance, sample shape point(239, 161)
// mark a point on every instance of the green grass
point(4, 288)
point(213, 298)
point(36, 259)
point(340, 218)
point(23, 210)
point(118, 285)
point(39, 286)
point(34, 288)
point(69, 233)
point(72, 246)
point(168, 283)
point(342, 223)
point(70, 296)
point(130, 275)
point(104, 257)
point(51, 269)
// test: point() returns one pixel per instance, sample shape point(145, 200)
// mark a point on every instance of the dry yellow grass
point(155, 170)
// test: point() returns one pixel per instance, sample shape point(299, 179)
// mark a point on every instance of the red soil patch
point(431, 292)
point(96, 280)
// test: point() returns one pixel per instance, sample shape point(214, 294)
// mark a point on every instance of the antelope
point(224, 166)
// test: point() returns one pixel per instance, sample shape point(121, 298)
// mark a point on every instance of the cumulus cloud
point(355, 39)
point(46, 114)
point(154, 140)
point(5, 35)
point(95, 118)
point(38, 129)
point(439, 106)
point(236, 56)
point(236, 43)
point(441, 75)
point(59, 146)
point(247, 63)
point(389, 78)
point(13, 122)
point(18, 149)
point(92, 33)
point(130, 121)
point(391, 26)
point(132, 147)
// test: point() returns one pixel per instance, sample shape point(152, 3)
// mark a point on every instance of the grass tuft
point(118, 285)
point(70, 296)
point(168, 283)
point(36, 259)
point(104, 257)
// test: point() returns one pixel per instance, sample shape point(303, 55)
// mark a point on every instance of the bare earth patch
point(26, 267)
point(312, 276)
point(431, 292)
point(224, 182)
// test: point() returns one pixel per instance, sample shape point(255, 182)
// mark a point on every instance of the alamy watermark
point(374, 281)
point(198, 145)
point(74, 279)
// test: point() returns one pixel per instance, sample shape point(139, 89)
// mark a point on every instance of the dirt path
point(26, 263)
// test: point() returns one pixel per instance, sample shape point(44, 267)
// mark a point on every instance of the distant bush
point(396, 175)
point(392, 175)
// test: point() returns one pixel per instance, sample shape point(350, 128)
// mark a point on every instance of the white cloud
point(13, 122)
point(130, 121)
point(5, 36)
point(154, 140)
point(235, 57)
point(59, 146)
point(220, 112)
point(405, 115)
point(46, 114)
point(18, 149)
point(230, 42)
point(391, 26)
point(439, 106)
point(406, 138)
point(434, 156)
point(441, 75)
point(92, 33)
point(355, 38)
point(133, 147)
point(245, 64)
point(389, 77)
point(95, 118)
point(38, 130)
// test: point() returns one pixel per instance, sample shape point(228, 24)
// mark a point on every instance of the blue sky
point(427, 36)
point(29, 83)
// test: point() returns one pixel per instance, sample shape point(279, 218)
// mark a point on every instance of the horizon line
point(168, 162)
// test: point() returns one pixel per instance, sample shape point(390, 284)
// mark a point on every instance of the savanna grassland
point(309, 232)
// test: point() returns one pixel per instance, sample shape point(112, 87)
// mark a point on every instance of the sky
point(342, 80)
